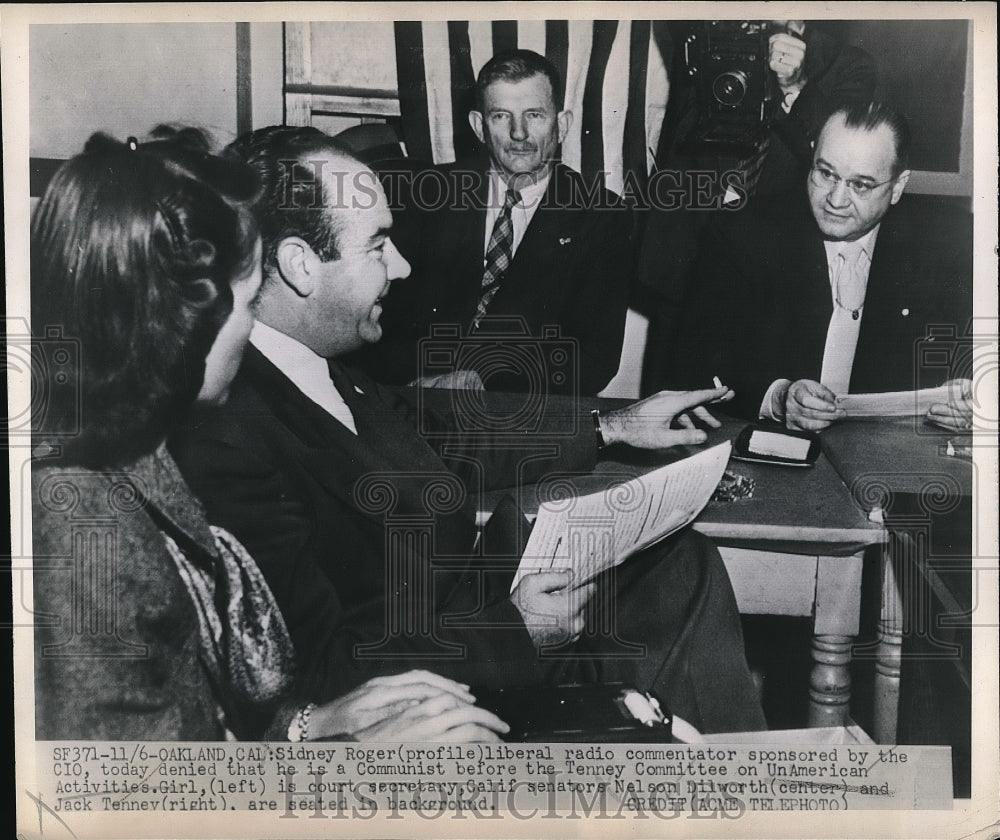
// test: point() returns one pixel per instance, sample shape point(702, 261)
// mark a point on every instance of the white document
point(591, 533)
point(895, 403)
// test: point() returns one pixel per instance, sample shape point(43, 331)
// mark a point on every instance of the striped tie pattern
point(499, 254)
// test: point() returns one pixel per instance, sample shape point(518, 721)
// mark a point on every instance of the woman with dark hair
point(149, 622)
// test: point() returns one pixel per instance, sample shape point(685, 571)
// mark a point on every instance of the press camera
point(728, 60)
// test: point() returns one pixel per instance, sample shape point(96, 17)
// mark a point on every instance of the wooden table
point(795, 548)
point(900, 473)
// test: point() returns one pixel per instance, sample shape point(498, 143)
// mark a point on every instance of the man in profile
point(516, 250)
point(831, 290)
point(366, 532)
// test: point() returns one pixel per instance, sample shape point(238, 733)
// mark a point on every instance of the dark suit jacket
point(760, 305)
point(118, 653)
point(337, 522)
point(367, 544)
point(571, 271)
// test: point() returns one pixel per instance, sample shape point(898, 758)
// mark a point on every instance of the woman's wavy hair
point(133, 250)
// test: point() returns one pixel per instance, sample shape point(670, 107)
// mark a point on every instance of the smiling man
point(834, 289)
point(366, 531)
point(512, 242)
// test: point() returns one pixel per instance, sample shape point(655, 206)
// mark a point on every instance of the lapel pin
point(906, 312)
point(565, 240)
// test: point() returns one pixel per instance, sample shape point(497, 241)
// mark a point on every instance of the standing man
point(831, 289)
point(367, 536)
point(512, 248)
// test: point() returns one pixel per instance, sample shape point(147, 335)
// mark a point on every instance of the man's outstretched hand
point(647, 424)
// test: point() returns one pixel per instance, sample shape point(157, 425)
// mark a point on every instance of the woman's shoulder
point(70, 492)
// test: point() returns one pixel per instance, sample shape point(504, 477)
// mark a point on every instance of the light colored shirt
point(522, 212)
point(843, 330)
point(307, 371)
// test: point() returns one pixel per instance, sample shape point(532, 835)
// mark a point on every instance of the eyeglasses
point(823, 176)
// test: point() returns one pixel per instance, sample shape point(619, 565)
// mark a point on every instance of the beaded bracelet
point(298, 729)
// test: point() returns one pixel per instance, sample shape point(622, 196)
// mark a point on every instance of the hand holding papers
point(956, 414)
point(589, 534)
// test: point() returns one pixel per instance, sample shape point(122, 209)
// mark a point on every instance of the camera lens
point(730, 87)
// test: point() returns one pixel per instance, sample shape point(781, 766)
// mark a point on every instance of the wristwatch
point(595, 415)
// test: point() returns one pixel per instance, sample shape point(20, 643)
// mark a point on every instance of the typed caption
point(341, 781)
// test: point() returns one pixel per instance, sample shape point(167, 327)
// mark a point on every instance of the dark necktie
point(499, 254)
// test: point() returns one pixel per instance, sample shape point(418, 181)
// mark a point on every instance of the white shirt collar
point(866, 245)
point(530, 195)
point(308, 371)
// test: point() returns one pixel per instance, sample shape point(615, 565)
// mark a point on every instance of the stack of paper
point(894, 403)
point(591, 533)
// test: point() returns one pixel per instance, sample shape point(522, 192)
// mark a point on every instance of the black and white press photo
point(469, 419)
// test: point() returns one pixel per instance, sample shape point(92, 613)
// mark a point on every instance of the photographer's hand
point(647, 423)
point(787, 58)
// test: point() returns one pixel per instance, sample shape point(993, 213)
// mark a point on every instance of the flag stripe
point(557, 45)
point(634, 145)
point(480, 43)
point(592, 142)
point(413, 111)
point(463, 84)
point(657, 91)
point(437, 65)
point(531, 35)
point(614, 107)
point(504, 35)
point(579, 41)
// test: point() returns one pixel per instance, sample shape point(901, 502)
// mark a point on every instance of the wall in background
point(126, 78)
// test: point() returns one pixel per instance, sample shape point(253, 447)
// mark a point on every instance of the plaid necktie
point(499, 254)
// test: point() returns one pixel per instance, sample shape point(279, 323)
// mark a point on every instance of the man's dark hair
point(292, 201)
point(134, 247)
point(868, 116)
point(516, 66)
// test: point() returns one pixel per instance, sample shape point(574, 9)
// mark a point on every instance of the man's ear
point(899, 185)
point(476, 121)
point(296, 265)
point(564, 120)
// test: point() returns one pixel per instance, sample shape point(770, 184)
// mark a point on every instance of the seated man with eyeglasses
point(838, 288)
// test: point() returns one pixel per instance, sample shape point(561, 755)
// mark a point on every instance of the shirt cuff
point(772, 407)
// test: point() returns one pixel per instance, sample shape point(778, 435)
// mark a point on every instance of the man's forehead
point(537, 88)
point(856, 148)
point(366, 220)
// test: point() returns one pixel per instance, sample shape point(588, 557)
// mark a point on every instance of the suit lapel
point(883, 331)
point(808, 297)
point(388, 446)
point(329, 451)
point(546, 240)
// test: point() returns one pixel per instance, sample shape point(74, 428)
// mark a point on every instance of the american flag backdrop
point(615, 79)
